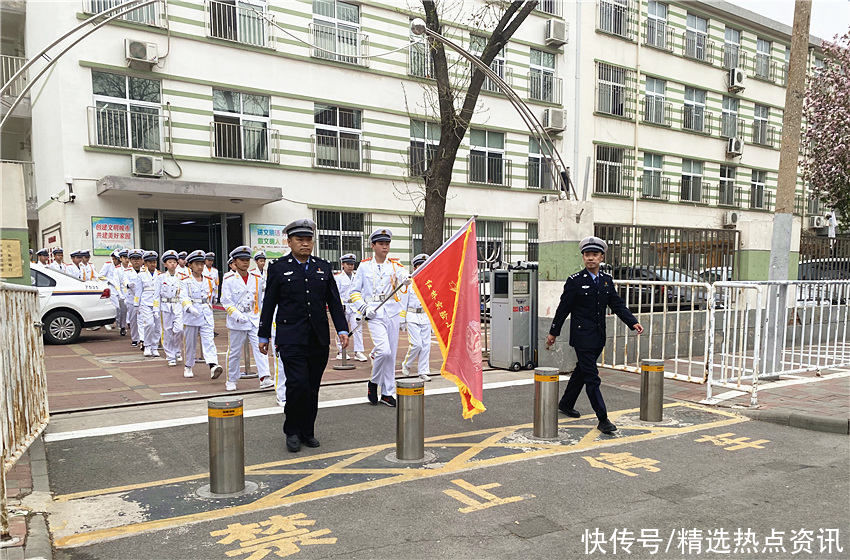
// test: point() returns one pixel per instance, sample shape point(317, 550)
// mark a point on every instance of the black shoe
point(606, 426)
point(123, 331)
point(372, 393)
point(134, 344)
point(293, 443)
point(388, 400)
point(310, 441)
point(571, 412)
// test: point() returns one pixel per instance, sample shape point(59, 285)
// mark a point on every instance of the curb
point(814, 422)
point(38, 545)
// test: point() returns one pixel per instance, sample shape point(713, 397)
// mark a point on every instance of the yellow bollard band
point(538, 377)
point(652, 368)
point(410, 391)
point(224, 412)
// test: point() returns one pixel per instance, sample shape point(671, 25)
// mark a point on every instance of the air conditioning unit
point(146, 166)
point(730, 219)
point(554, 120)
point(817, 222)
point(556, 32)
point(736, 79)
point(735, 147)
point(140, 54)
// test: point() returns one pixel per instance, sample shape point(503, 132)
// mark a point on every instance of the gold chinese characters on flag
point(447, 286)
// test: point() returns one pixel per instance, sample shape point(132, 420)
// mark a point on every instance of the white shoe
point(360, 357)
point(172, 363)
point(108, 327)
point(187, 372)
point(424, 377)
point(154, 353)
point(338, 356)
point(404, 371)
point(147, 353)
point(228, 386)
point(215, 371)
point(266, 382)
point(280, 403)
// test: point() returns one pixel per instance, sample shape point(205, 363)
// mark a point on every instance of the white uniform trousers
point(133, 321)
point(172, 334)
point(117, 302)
point(356, 335)
point(279, 378)
point(236, 342)
point(149, 326)
point(384, 332)
point(121, 314)
point(190, 337)
point(419, 336)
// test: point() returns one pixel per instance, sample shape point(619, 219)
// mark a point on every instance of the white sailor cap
point(209, 256)
point(58, 250)
point(381, 234)
point(195, 256)
point(136, 253)
point(116, 254)
point(348, 258)
point(85, 253)
point(76, 253)
point(150, 256)
point(592, 244)
point(420, 258)
point(241, 252)
point(303, 228)
point(259, 255)
point(124, 253)
point(182, 255)
point(170, 254)
point(229, 261)
point(41, 252)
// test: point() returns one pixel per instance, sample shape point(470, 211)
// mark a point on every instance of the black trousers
point(586, 374)
point(304, 365)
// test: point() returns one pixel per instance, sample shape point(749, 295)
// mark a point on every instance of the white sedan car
point(68, 304)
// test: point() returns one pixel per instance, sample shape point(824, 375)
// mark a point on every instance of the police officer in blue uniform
point(299, 286)
point(586, 295)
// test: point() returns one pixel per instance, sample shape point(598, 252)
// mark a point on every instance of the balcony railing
point(246, 141)
point(728, 195)
point(697, 46)
point(696, 119)
point(350, 154)
point(140, 128)
point(654, 187)
point(551, 7)
point(611, 183)
point(616, 17)
point(760, 198)
point(690, 190)
point(340, 44)
point(152, 14)
point(782, 73)
point(419, 61)
point(505, 73)
point(419, 158)
point(240, 23)
point(762, 67)
point(540, 171)
point(9, 65)
point(657, 111)
point(485, 168)
point(658, 34)
point(543, 86)
point(763, 134)
point(734, 56)
point(731, 126)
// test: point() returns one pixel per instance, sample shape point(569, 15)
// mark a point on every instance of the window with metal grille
point(148, 15)
point(762, 68)
point(696, 37)
point(609, 169)
point(338, 141)
point(653, 110)
point(731, 47)
point(487, 163)
point(240, 21)
point(614, 17)
point(729, 120)
point(542, 83)
point(336, 31)
point(757, 195)
point(424, 140)
point(490, 239)
point(611, 89)
point(693, 117)
point(691, 189)
point(656, 24)
point(417, 231)
point(533, 244)
point(653, 168)
point(726, 195)
point(540, 167)
point(476, 47)
point(240, 125)
point(761, 115)
point(339, 233)
point(127, 112)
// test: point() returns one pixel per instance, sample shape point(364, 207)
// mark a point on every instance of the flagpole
point(380, 304)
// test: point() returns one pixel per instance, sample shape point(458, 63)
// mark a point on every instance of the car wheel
point(516, 366)
point(62, 327)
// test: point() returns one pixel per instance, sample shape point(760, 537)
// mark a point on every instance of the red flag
point(447, 286)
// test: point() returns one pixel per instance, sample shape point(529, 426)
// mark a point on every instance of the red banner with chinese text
point(447, 286)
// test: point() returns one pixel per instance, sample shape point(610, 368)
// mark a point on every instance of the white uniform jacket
point(374, 282)
point(412, 309)
point(242, 300)
point(343, 284)
point(145, 286)
point(197, 301)
point(167, 292)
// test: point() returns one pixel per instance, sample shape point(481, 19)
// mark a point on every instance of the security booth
point(513, 317)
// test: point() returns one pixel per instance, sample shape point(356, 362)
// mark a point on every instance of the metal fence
point(23, 388)
point(9, 66)
point(241, 23)
point(248, 140)
point(140, 128)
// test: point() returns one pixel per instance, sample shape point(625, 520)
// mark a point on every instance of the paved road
point(489, 491)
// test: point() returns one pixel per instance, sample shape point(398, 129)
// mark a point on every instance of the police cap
point(302, 228)
point(592, 244)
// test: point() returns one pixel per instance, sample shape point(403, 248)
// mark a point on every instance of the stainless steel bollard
point(410, 420)
point(651, 390)
point(227, 445)
point(546, 402)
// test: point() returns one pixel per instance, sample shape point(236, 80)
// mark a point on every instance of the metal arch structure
point(120, 10)
point(418, 27)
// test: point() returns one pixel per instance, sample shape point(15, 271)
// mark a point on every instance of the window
point(148, 15)
point(553, 7)
point(338, 140)
point(419, 62)
point(763, 59)
point(694, 114)
point(729, 124)
point(339, 233)
point(126, 112)
point(609, 170)
point(611, 91)
point(41, 280)
point(757, 197)
point(731, 48)
point(239, 20)
point(614, 17)
point(540, 168)
point(533, 244)
point(417, 230)
point(786, 66)
point(541, 77)
point(240, 125)
point(696, 37)
point(819, 63)
point(487, 163)
point(761, 114)
point(691, 190)
point(656, 25)
point(336, 31)
point(476, 47)
point(654, 107)
point(727, 186)
point(490, 239)
point(424, 140)
point(652, 169)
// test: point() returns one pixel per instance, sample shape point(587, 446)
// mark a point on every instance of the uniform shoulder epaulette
point(395, 260)
point(576, 275)
point(182, 275)
point(229, 274)
point(255, 273)
point(337, 272)
point(366, 259)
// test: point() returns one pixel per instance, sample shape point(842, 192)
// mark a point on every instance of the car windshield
point(669, 275)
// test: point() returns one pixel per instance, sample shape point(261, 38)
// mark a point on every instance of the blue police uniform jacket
point(298, 298)
point(587, 303)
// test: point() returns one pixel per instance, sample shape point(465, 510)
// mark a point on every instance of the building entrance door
point(186, 231)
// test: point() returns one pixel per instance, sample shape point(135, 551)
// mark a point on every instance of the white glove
point(407, 281)
point(371, 312)
point(362, 308)
point(193, 310)
point(239, 316)
point(404, 327)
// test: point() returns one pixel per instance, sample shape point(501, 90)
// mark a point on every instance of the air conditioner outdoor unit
point(816, 222)
point(140, 54)
point(556, 32)
point(735, 147)
point(146, 166)
point(737, 79)
point(554, 120)
point(730, 219)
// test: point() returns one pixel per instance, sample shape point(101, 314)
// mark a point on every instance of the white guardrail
point(23, 386)
point(733, 335)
